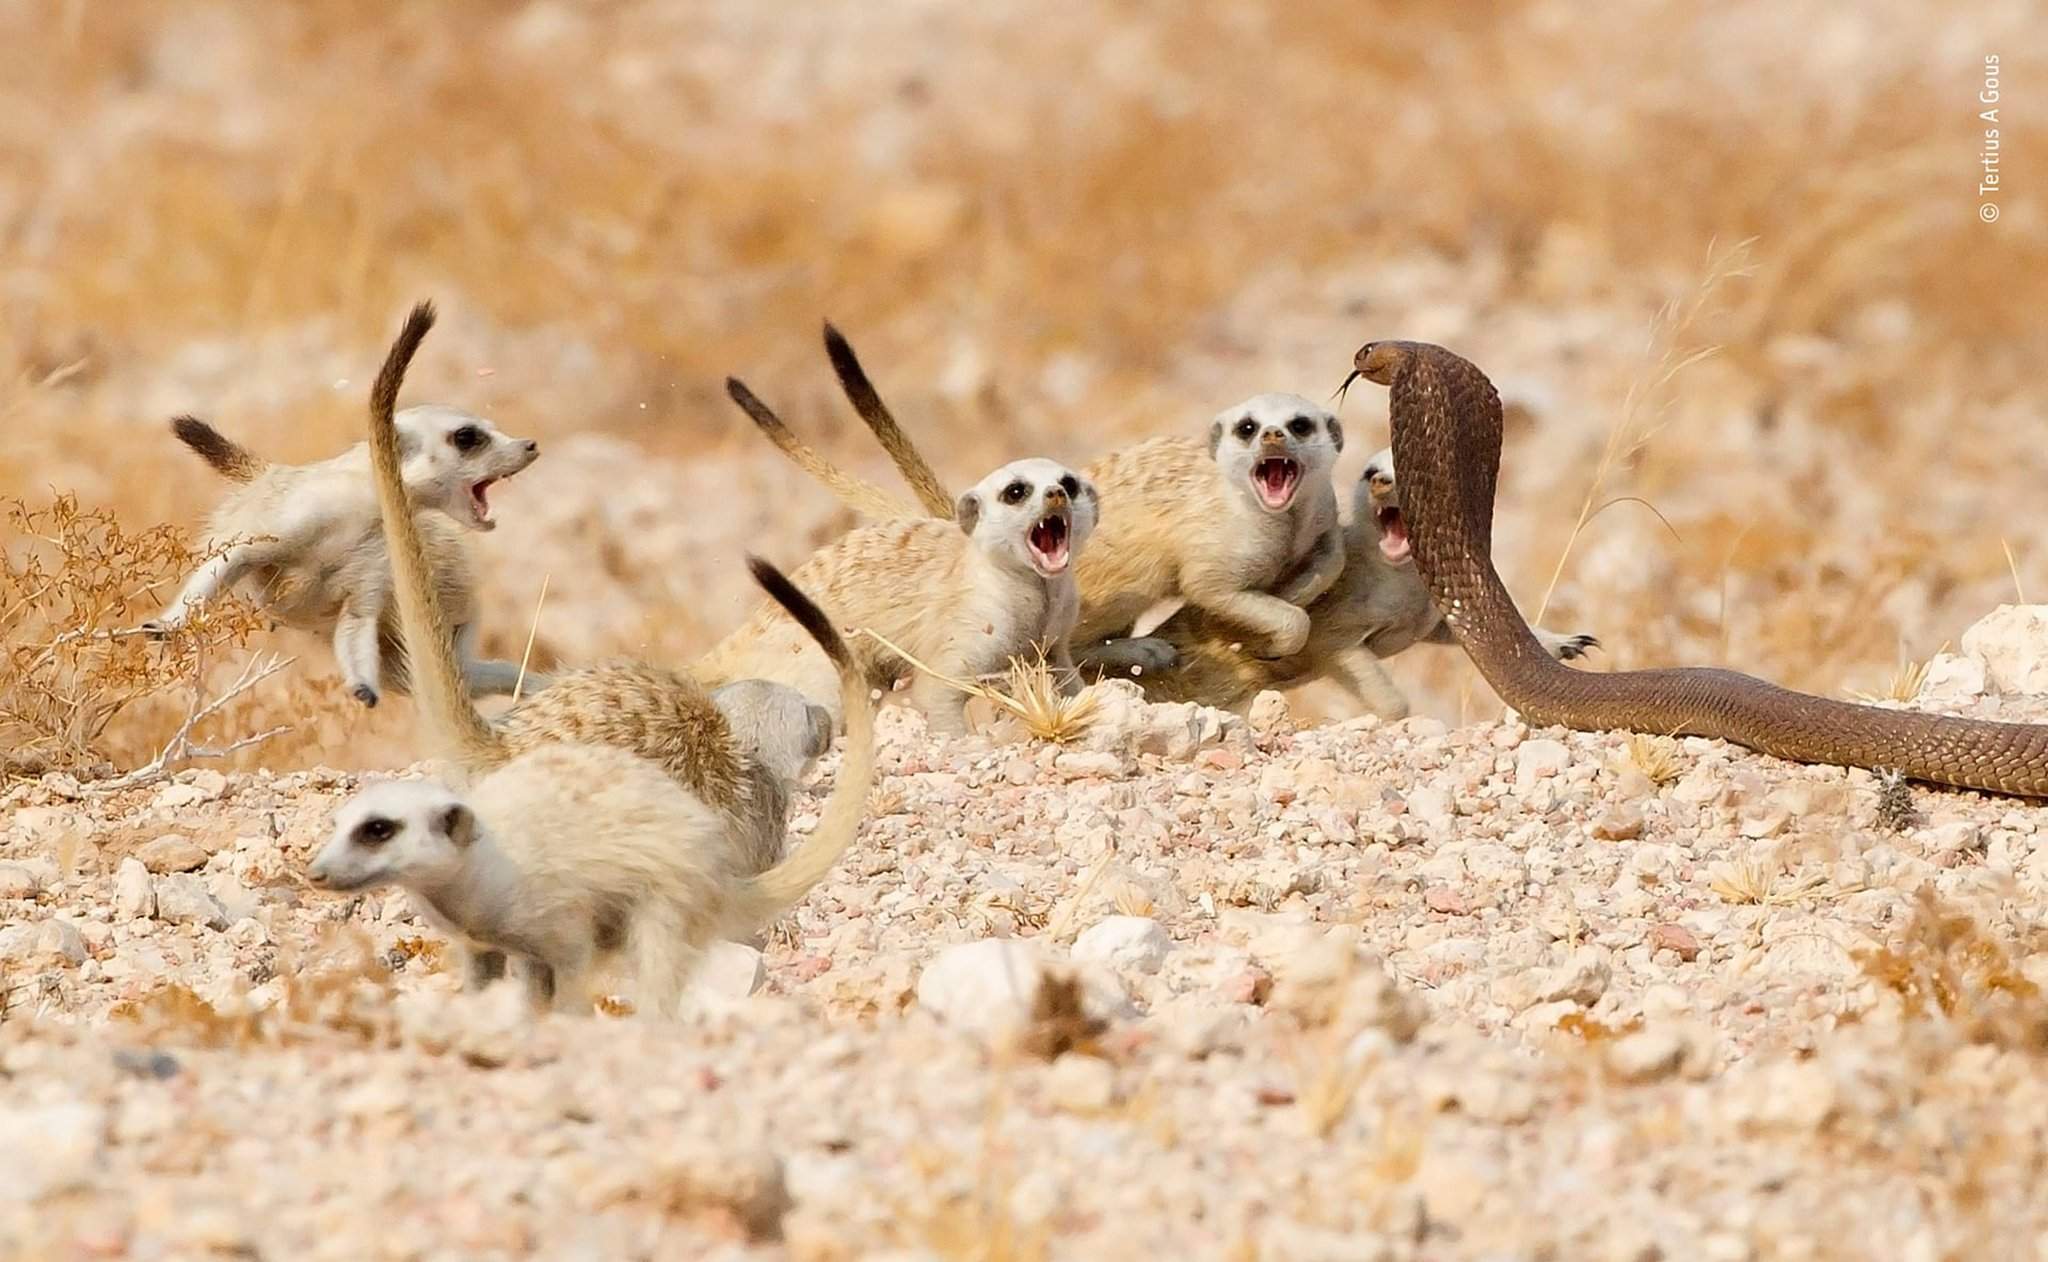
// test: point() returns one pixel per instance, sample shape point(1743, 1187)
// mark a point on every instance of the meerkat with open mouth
point(1244, 526)
point(305, 541)
point(962, 596)
point(1378, 607)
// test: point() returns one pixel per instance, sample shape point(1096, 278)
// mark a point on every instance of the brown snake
point(1447, 435)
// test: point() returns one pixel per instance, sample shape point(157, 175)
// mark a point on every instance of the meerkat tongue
point(1275, 479)
point(1048, 539)
point(1393, 534)
point(479, 494)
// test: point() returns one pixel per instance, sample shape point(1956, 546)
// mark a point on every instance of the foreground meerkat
point(571, 854)
point(306, 540)
point(739, 748)
point(963, 596)
point(1378, 607)
point(1245, 527)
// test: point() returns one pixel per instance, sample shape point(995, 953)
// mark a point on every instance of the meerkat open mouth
point(480, 504)
point(1275, 478)
point(1393, 533)
point(1048, 543)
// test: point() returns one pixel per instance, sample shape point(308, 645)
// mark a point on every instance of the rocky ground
point(1188, 985)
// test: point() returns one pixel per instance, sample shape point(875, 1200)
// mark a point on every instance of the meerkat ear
point(1215, 438)
point(967, 512)
point(459, 822)
point(1337, 433)
point(821, 731)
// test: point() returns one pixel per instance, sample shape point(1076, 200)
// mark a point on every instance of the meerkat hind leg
point(1130, 655)
point(485, 966)
point(1361, 675)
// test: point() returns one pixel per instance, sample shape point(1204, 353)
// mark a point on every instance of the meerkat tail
point(780, 887)
point(438, 686)
point(853, 379)
point(863, 497)
point(229, 458)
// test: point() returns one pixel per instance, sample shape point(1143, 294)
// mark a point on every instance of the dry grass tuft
point(1060, 1022)
point(1655, 756)
point(1750, 879)
point(1944, 966)
point(341, 988)
point(1029, 693)
point(1907, 679)
point(72, 596)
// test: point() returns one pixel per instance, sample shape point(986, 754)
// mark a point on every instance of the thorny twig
point(181, 747)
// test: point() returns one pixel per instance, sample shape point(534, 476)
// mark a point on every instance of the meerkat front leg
point(1282, 625)
point(206, 582)
point(1319, 571)
point(944, 707)
point(356, 648)
point(1360, 674)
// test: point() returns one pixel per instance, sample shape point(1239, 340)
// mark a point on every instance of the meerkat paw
point(1292, 639)
point(1132, 656)
point(365, 694)
point(1567, 648)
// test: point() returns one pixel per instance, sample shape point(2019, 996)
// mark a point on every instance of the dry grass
point(72, 595)
point(1655, 756)
point(1945, 967)
point(341, 989)
point(1029, 692)
point(1906, 681)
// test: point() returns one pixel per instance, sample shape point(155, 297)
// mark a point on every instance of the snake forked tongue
point(1446, 423)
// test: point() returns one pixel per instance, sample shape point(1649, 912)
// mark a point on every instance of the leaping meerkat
point(739, 748)
point(963, 596)
point(305, 540)
point(1378, 607)
point(1244, 527)
point(570, 854)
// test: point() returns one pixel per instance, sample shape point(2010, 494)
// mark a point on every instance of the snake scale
point(1447, 436)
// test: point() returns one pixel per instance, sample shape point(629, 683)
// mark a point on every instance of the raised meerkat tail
point(781, 886)
point(437, 684)
point(929, 488)
point(863, 497)
point(229, 458)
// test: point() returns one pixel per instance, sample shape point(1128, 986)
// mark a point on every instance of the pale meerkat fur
point(1178, 521)
point(1378, 607)
point(306, 541)
point(964, 597)
point(734, 748)
point(571, 854)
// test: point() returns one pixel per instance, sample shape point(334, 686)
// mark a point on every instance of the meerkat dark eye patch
point(375, 832)
point(1015, 493)
point(1301, 427)
point(1071, 485)
point(1246, 428)
point(467, 438)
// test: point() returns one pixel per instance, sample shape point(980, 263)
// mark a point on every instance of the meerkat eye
point(1071, 485)
point(375, 832)
point(1246, 428)
point(468, 438)
point(1301, 427)
point(1015, 493)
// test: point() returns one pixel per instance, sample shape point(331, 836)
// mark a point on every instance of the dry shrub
point(342, 989)
point(71, 597)
point(1944, 966)
point(1060, 1022)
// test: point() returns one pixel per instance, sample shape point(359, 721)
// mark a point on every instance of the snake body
point(1447, 436)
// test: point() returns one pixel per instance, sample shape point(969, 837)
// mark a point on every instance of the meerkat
point(306, 540)
point(739, 748)
point(1378, 607)
point(963, 596)
point(1244, 528)
point(570, 854)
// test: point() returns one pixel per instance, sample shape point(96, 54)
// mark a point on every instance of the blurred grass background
point(1051, 231)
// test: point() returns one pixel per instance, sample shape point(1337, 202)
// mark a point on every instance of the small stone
point(1197, 1027)
point(1669, 937)
point(171, 853)
point(2012, 642)
point(183, 900)
point(730, 971)
point(1447, 900)
point(208, 781)
point(58, 938)
point(1430, 804)
point(1269, 714)
point(1081, 1084)
point(1135, 944)
point(146, 1063)
point(1647, 1055)
point(1083, 764)
point(1581, 980)
point(1619, 823)
point(134, 896)
point(1538, 760)
point(1958, 836)
point(983, 987)
point(173, 796)
point(17, 881)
